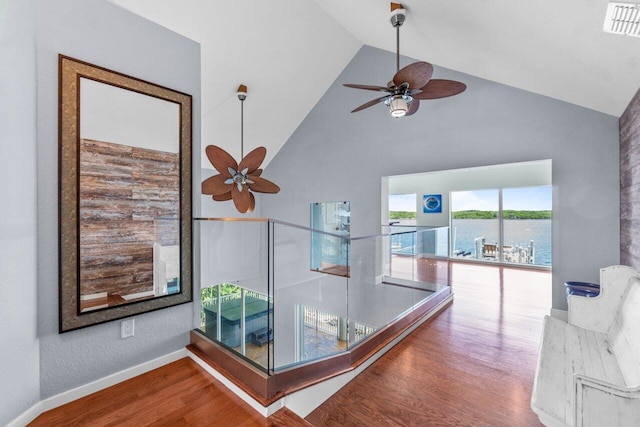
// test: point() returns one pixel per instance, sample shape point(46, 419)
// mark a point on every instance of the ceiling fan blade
point(252, 203)
point(417, 75)
point(261, 185)
point(222, 197)
point(438, 88)
point(413, 107)
point(367, 87)
point(242, 199)
point(215, 185)
point(257, 172)
point(369, 104)
point(252, 160)
point(221, 160)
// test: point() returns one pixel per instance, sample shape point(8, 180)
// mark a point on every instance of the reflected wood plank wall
point(122, 190)
point(630, 184)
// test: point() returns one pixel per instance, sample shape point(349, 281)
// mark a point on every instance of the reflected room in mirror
point(125, 195)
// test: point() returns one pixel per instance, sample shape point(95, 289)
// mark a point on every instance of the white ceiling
point(288, 52)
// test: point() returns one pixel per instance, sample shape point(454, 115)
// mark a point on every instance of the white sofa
point(588, 371)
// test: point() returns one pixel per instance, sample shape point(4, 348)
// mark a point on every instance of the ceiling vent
point(623, 18)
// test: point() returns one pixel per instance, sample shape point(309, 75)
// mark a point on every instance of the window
point(510, 225)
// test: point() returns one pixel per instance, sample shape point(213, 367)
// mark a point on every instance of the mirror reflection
point(129, 194)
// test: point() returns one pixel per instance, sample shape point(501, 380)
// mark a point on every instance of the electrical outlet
point(127, 328)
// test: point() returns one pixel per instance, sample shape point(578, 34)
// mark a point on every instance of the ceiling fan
point(410, 84)
point(236, 181)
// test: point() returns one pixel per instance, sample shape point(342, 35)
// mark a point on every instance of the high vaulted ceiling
point(288, 52)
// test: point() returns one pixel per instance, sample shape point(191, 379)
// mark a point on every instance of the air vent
point(623, 18)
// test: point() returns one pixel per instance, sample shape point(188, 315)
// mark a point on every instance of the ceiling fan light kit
point(236, 181)
point(411, 83)
point(399, 105)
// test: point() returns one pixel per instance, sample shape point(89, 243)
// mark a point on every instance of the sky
point(525, 198)
point(402, 202)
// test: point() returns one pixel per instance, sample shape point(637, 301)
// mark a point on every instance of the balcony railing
point(264, 299)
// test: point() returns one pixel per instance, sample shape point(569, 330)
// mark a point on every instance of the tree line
point(474, 214)
point(506, 214)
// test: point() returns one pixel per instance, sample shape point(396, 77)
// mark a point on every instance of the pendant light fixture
point(237, 181)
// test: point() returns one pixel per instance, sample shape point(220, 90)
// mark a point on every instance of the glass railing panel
point(403, 245)
point(376, 298)
point(263, 298)
point(310, 308)
point(431, 260)
point(432, 242)
point(234, 271)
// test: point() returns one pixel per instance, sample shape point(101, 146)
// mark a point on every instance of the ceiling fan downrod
point(242, 95)
point(397, 19)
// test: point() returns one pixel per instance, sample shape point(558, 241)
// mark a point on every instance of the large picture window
point(509, 225)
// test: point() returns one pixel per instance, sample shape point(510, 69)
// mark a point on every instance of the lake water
point(516, 232)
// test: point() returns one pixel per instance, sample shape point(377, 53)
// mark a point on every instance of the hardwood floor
point(472, 365)
point(178, 394)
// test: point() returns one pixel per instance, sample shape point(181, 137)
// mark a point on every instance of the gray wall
point(19, 350)
point(336, 155)
point(103, 34)
point(629, 182)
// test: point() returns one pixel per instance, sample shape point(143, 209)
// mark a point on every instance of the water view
point(519, 232)
point(475, 226)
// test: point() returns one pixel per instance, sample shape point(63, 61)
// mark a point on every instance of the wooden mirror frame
point(69, 73)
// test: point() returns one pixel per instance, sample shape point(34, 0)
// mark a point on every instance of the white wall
point(106, 35)
point(526, 174)
point(19, 349)
point(337, 155)
point(121, 116)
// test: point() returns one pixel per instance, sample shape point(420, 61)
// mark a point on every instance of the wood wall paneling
point(123, 192)
point(630, 184)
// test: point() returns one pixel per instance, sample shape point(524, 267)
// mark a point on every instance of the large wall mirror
point(125, 195)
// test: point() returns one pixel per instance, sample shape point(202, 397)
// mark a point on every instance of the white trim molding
point(94, 386)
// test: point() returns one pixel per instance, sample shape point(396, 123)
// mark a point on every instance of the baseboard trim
point(94, 386)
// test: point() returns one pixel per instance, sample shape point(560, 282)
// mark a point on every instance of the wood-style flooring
point(471, 365)
point(178, 394)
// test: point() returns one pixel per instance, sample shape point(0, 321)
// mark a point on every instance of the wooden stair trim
point(267, 389)
point(208, 351)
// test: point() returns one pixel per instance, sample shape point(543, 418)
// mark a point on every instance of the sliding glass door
point(475, 228)
point(510, 225)
point(527, 225)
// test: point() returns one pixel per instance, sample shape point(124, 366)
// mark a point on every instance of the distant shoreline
point(475, 214)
